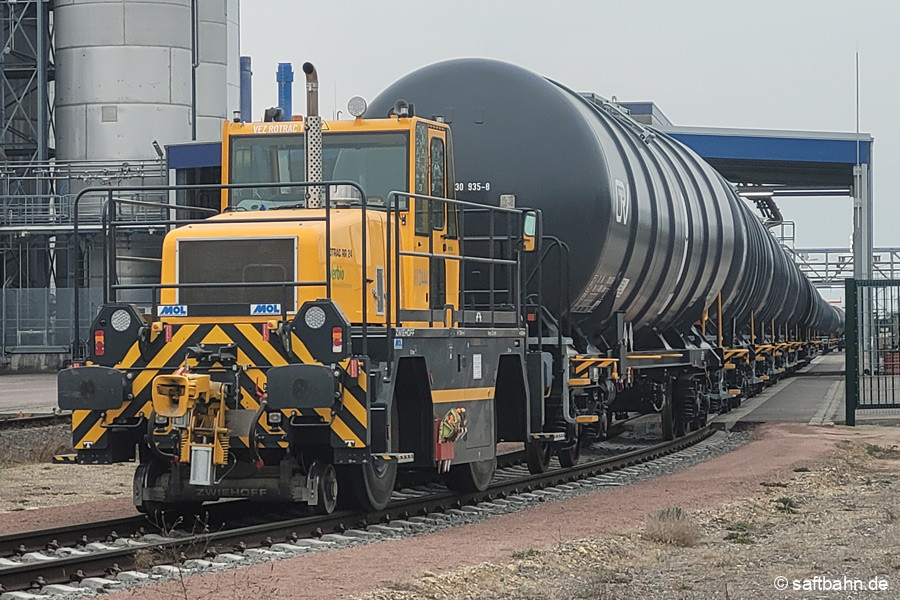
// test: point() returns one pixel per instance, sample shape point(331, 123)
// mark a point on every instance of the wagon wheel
point(471, 477)
point(538, 454)
point(569, 455)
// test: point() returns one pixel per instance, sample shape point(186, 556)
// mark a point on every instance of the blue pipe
point(246, 87)
point(285, 78)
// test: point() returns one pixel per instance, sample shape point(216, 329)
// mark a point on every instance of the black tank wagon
point(657, 240)
point(653, 230)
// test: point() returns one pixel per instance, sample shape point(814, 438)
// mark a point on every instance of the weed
point(801, 470)
point(671, 526)
point(786, 504)
point(527, 553)
point(875, 450)
point(738, 537)
point(740, 526)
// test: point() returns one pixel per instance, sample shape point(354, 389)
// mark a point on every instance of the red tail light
point(353, 371)
point(99, 343)
point(337, 339)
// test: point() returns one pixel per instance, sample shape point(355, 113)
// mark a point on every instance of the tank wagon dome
point(653, 230)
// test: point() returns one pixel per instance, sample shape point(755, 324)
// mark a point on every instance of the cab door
point(437, 182)
point(434, 288)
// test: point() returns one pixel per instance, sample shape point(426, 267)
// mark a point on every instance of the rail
point(22, 576)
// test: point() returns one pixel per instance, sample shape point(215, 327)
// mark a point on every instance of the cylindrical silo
point(124, 72)
point(128, 73)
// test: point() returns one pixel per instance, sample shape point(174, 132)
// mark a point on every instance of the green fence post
point(851, 356)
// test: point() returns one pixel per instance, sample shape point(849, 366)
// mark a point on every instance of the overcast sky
point(760, 64)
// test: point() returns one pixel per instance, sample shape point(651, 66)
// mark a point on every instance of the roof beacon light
point(357, 106)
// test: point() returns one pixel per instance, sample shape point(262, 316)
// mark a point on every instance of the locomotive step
point(549, 437)
point(400, 457)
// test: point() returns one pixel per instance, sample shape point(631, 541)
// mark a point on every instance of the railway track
point(95, 553)
point(27, 420)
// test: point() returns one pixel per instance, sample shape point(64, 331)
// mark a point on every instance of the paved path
point(28, 393)
point(815, 396)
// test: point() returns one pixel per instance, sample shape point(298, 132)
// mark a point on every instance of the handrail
point(395, 204)
point(110, 224)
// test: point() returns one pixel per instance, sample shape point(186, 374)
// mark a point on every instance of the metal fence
point(873, 345)
point(37, 246)
point(41, 320)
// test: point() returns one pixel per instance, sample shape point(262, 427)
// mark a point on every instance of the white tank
point(123, 75)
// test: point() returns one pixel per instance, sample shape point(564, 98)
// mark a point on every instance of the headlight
point(120, 320)
point(314, 317)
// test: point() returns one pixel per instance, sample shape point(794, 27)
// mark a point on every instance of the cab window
point(421, 178)
point(437, 179)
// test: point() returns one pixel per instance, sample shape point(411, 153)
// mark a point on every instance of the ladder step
point(587, 419)
point(399, 457)
point(579, 381)
point(549, 437)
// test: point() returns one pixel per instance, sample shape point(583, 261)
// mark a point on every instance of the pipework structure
point(75, 112)
point(26, 78)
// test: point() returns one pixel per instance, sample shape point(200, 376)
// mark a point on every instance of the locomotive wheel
point(471, 477)
point(569, 455)
point(327, 489)
point(368, 486)
point(145, 476)
point(166, 515)
point(681, 425)
point(538, 455)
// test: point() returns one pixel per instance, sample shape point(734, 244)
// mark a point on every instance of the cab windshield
point(378, 162)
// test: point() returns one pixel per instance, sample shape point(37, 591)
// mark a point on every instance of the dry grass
point(34, 445)
point(671, 526)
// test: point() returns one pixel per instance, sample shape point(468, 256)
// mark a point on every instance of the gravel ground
point(750, 517)
point(28, 481)
point(838, 519)
point(33, 444)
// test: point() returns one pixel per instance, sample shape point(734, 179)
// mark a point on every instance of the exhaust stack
point(313, 137)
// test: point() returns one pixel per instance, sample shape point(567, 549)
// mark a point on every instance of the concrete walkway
point(31, 394)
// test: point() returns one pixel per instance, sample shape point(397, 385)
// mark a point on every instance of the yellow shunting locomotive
point(310, 338)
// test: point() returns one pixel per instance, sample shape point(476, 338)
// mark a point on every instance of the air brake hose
point(151, 441)
point(251, 436)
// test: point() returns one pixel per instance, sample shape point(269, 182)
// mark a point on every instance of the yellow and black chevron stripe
point(143, 362)
point(580, 365)
point(349, 427)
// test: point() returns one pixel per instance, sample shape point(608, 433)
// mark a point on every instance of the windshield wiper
point(283, 206)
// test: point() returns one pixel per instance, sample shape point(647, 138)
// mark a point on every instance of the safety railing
point(113, 224)
point(493, 242)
